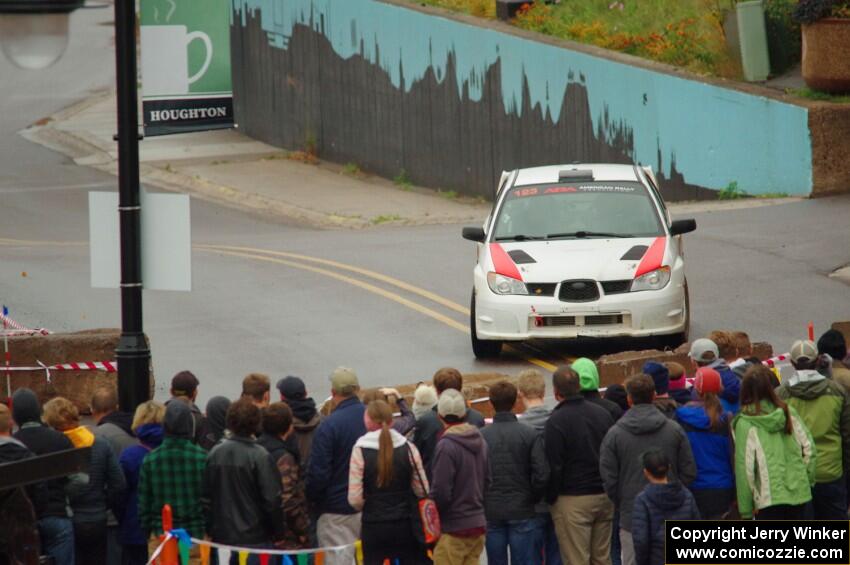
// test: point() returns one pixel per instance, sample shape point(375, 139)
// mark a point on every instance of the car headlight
point(500, 284)
point(653, 280)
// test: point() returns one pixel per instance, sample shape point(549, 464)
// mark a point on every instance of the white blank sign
point(166, 241)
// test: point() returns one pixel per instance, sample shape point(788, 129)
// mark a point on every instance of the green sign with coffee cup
point(185, 64)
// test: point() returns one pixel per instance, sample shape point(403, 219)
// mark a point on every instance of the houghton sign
point(186, 82)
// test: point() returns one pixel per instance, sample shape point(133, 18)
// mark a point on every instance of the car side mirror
point(474, 234)
point(678, 227)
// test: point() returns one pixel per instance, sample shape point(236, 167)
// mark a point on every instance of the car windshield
point(577, 210)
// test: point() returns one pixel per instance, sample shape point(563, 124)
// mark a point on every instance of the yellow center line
point(354, 269)
point(380, 292)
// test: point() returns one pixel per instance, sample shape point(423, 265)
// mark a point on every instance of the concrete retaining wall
point(453, 100)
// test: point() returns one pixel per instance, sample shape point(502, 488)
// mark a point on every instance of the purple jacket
point(460, 475)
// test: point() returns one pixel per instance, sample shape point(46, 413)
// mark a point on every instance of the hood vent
point(635, 253)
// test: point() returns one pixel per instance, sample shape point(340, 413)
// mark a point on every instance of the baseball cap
point(708, 380)
point(803, 349)
point(292, 388)
point(344, 378)
point(451, 403)
point(704, 350)
point(184, 383)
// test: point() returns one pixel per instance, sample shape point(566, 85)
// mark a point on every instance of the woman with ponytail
point(708, 429)
point(386, 476)
point(774, 453)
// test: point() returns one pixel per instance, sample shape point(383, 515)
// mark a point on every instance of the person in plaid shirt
point(172, 474)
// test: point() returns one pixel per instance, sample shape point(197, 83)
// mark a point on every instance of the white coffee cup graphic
point(165, 59)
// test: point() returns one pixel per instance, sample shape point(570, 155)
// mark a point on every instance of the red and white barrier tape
point(105, 366)
point(10, 323)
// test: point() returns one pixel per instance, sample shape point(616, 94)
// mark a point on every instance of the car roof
point(601, 172)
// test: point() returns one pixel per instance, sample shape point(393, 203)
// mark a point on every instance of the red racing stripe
point(653, 257)
point(503, 263)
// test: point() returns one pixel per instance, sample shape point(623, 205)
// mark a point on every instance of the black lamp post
point(33, 35)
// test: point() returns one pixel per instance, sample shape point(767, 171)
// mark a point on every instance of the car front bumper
point(630, 314)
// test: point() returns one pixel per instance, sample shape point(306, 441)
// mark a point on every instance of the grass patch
point(303, 157)
point(772, 195)
point(402, 181)
point(731, 192)
point(352, 169)
point(812, 94)
point(685, 33)
point(448, 194)
point(385, 218)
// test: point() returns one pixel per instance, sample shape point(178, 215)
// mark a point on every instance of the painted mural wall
point(453, 104)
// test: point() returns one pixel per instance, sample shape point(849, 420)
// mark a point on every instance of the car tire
point(675, 340)
point(482, 348)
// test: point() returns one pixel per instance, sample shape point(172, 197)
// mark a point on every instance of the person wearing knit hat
point(678, 388)
point(707, 427)
point(588, 376)
point(424, 400)
point(661, 377)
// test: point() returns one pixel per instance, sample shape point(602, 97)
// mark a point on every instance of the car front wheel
point(482, 348)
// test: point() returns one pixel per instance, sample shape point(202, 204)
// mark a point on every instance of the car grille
point(551, 321)
point(541, 289)
point(603, 320)
point(582, 290)
point(616, 287)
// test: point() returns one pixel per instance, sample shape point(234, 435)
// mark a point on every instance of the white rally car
point(578, 251)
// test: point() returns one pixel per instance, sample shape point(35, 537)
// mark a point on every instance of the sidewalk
point(227, 167)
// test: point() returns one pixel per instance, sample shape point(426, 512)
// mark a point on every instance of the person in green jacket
point(775, 456)
point(824, 406)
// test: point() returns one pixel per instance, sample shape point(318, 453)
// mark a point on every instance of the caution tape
point(105, 366)
point(19, 329)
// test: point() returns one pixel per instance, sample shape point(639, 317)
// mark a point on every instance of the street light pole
point(133, 354)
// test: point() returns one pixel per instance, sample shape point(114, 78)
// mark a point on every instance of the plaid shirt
point(172, 474)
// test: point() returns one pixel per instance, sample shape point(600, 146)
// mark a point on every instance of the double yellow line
point(341, 272)
point(308, 263)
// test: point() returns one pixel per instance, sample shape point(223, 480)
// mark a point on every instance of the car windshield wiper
point(583, 234)
point(518, 237)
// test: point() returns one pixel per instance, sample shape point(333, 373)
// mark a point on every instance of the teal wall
point(715, 135)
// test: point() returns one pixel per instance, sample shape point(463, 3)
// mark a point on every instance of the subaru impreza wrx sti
point(578, 251)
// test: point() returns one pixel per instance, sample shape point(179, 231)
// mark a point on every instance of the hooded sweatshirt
point(824, 407)
point(620, 455)
point(41, 440)
point(712, 448)
point(460, 475)
point(656, 503)
point(305, 420)
point(588, 376)
point(772, 467)
point(216, 420)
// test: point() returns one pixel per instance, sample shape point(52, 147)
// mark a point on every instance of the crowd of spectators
point(590, 481)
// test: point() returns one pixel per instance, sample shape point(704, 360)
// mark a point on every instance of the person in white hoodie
point(384, 469)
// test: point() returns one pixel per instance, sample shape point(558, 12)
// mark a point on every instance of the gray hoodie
point(461, 475)
point(641, 428)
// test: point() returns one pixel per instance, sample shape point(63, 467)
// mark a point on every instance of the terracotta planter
point(826, 63)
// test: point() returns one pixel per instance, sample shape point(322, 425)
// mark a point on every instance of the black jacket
point(518, 469)
point(573, 436)
point(652, 506)
point(241, 494)
point(429, 429)
point(612, 407)
point(41, 440)
point(18, 530)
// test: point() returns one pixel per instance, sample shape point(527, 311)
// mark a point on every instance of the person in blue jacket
point(707, 426)
point(147, 425)
point(660, 500)
point(327, 473)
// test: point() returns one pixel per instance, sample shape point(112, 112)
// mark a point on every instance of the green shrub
point(784, 43)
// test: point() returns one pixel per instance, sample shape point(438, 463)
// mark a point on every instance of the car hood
point(598, 259)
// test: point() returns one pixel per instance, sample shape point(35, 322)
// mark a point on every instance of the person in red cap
point(707, 426)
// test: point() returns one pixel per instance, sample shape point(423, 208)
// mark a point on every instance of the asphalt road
point(282, 298)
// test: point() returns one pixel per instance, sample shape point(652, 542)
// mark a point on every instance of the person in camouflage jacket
point(277, 427)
